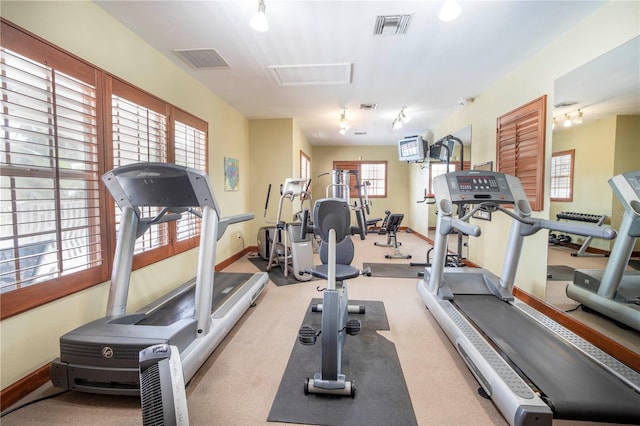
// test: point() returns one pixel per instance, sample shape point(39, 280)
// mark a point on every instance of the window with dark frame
point(305, 166)
point(65, 122)
point(562, 175)
point(370, 173)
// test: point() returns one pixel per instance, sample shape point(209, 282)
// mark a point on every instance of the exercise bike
point(332, 222)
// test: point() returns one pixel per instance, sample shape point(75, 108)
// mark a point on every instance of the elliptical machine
point(285, 248)
point(332, 222)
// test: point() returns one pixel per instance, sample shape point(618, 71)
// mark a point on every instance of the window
point(305, 166)
point(51, 229)
point(562, 175)
point(373, 174)
point(437, 169)
point(64, 123)
point(520, 147)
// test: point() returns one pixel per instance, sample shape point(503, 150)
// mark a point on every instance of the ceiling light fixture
point(344, 123)
point(259, 20)
point(569, 119)
point(449, 11)
point(401, 119)
point(578, 119)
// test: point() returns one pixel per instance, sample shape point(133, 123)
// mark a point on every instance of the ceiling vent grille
point(201, 58)
point(368, 107)
point(391, 24)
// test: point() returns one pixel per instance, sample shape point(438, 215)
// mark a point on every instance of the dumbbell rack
point(598, 219)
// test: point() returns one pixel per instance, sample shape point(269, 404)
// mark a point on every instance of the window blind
point(49, 174)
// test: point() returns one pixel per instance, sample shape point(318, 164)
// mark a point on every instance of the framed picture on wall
point(231, 174)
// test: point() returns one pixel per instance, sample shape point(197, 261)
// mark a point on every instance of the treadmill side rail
point(513, 397)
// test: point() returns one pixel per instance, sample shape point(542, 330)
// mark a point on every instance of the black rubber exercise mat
point(382, 397)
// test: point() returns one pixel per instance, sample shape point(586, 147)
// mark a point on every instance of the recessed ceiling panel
point(313, 74)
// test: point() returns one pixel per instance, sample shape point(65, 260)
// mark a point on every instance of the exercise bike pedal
point(353, 327)
point(307, 335)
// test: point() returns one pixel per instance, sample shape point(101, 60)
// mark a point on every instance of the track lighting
point(569, 119)
point(449, 11)
point(259, 20)
point(401, 119)
point(344, 123)
point(578, 119)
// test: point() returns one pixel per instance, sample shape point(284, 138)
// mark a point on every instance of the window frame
point(357, 165)
point(571, 154)
point(16, 39)
point(305, 164)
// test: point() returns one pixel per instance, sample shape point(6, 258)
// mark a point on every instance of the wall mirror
point(596, 121)
point(461, 151)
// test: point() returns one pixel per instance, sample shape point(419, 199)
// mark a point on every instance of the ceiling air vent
point(368, 107)
point(391, 24)
point(201, 58)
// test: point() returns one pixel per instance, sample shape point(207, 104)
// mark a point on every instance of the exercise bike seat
point(343, 272)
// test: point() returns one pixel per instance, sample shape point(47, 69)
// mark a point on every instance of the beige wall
point(610, 26)
point(603, 148)
point(626, 158)
point(109, 45)
point(275, 156)
point(594, 145)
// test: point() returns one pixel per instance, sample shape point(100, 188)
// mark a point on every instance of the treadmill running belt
point(576, 388)
point(182, 306)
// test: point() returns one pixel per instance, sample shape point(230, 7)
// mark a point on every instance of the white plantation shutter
point(49, 183)
point(139, 135)
point(190, 150)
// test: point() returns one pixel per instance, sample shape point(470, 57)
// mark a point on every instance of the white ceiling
point(427, 70)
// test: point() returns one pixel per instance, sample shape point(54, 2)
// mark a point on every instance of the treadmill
point(532, 368)
point(103, 355)
point(613, 291)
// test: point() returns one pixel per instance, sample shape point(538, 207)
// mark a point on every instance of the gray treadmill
point(613, 291)
point(103, 355)
point(532, 368)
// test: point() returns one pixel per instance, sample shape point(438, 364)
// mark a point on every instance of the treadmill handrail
point(226, 221)
point(533, 225)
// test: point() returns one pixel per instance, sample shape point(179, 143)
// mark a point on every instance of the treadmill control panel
point(475, 187)
point(477, 183)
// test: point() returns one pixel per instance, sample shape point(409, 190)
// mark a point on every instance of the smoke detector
point(463, 102)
